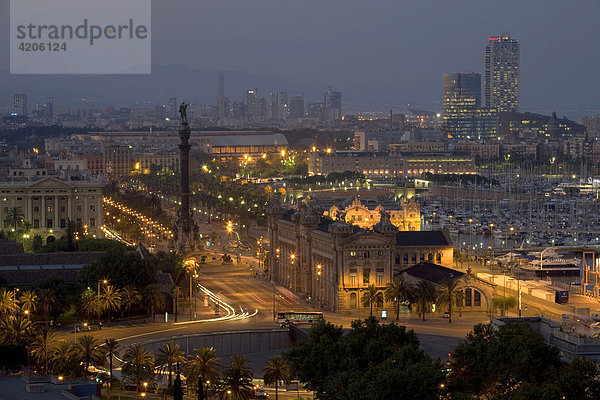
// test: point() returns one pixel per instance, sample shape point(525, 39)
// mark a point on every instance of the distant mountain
point(200, 86)
point(192, 85)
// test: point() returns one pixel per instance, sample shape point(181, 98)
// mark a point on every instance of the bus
point(306, 317)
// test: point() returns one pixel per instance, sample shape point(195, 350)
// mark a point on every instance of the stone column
point(56, 226)
point(99, 211)
point(184, 222)
point(43, 217)
point(30, 208)
point(70, 206)
point(85, 209)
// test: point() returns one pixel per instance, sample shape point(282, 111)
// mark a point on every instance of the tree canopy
point(120, 268)
point(512, 362)
point(372, 361)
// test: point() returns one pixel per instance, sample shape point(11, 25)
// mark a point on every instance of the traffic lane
point(260, 292)
point(130, 335)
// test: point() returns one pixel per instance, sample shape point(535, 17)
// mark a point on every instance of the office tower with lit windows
point(19, 104)
point(172, 108)
point(251, 100)
point(461, 99)
point(501, 78)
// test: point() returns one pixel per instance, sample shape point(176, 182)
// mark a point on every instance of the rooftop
point(431, 272)
point(250, 140)
point(422, 238)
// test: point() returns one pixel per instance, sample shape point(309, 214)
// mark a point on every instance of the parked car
point(259, 392)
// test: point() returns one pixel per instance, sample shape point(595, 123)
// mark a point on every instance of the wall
point(228, 343)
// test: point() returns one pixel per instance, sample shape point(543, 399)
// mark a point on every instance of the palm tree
point(91, 304)
point(424, 294)
point(110, 299)
point(111, 350)
point(14, 216)
point(460, 301)
point(448, 291)
point(62, 357)
point(138, 365)
point(28, 300)
point(8, 304)
point(89, 351)
point(370, 297)
point(15, 329)
point(130, 297)
point(204, 365)
point(47, 300)
point(236, 382)
point(42, 347)
point(277, 370)
point(397, 291)
point(168, 355)
point(154, 299)
point(339, 385)
point(27, 226)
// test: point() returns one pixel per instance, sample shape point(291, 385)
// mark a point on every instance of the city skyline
point(408, 73)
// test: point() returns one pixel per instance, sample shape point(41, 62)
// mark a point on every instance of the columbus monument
point(186, 230)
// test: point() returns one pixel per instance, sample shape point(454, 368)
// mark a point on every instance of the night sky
point(393, 51)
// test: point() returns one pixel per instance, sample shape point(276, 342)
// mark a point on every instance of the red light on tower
point(494, 38)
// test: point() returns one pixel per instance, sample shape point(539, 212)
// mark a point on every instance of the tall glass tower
point(461, 98)
point(501, 79)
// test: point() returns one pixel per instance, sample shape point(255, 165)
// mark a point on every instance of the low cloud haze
point(380, 54)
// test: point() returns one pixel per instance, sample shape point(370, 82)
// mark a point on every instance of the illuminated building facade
point(461, 97)
point(364, 214)
point(332, 263)
point(383, 165)
point(49, 203)
point(501, 78)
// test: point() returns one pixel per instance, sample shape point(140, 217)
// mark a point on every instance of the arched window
point(430, 257)
point(422, 258)
point(397, 258)
point(352, 300)
point(367, 254)
point(438, 258)
point(476, 298)
point(468, 297)
point(379, 303)
point(405, 259)
point(413, 259)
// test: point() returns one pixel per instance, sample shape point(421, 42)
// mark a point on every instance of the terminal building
point(384, 165)
point(332, 262)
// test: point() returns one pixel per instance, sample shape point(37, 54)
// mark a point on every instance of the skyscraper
point(461, 97)
point(333, 105)
point(282, 105)
point(19, 104)
point(172, 108)
point(222, 106)
point(251, 97)
point(502, 73)
point(297, 107)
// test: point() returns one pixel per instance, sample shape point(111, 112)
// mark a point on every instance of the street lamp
point(471, 235)
point(190, 264)
point(104, 281)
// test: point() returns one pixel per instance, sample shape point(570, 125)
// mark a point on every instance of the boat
point(549, 263)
